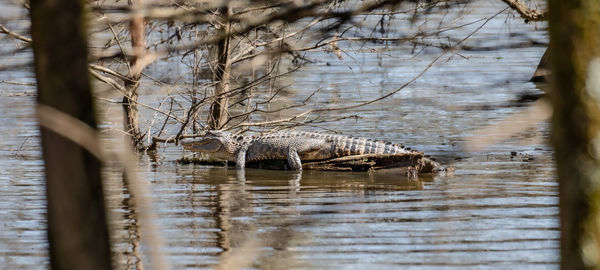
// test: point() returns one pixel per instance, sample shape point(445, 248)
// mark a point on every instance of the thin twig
point(13, 34)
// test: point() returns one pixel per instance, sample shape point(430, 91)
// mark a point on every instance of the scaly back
point(346, 145)
point(340, 145)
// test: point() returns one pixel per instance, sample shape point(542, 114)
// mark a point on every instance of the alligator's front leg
point(240, 158)
point(294, 159)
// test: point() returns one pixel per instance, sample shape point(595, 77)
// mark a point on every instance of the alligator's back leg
point(294, 159)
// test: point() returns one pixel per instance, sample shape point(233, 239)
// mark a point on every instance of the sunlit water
point(496, 211)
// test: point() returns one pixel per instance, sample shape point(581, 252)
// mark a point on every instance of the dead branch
point(121, 90)
point(108, 71)
point(19, 83)
point(525, 12)
point(14, 35)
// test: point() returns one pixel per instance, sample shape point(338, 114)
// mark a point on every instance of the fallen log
point(414, 162)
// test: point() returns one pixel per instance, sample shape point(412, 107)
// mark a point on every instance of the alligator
point(296, 146)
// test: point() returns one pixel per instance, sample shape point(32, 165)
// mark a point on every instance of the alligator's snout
point(203, 145)
point(192, 145)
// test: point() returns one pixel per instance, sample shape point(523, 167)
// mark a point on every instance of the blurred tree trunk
point(218, 109)
point(77, 228)
point(138, 43)
point(575, 51)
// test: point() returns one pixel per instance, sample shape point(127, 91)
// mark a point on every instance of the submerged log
point(368, 162)
point(410, 162)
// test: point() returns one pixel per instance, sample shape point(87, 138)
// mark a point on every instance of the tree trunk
point(574, 45)
point(77, 228)
point(138, 43)
point(218, 109)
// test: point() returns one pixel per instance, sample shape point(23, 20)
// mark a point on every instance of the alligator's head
point(220, 144)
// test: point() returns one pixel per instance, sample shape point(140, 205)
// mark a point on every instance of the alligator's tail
point(345, 145)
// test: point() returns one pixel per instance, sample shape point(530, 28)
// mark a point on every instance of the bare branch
point(14, 35)
point(525, 12)
point(19, 83)
point(109, 71)
point(121, 90)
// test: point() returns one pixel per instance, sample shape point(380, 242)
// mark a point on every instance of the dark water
point(495, 211)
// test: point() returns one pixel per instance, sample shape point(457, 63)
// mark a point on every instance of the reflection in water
point(262, 217)
point(133, 254)
point(251, 240)
point(294, 177)
point(314, 219)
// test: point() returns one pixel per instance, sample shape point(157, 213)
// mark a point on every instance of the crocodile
point(295, 147)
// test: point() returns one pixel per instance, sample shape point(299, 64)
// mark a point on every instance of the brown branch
point(109, 71)
point(19, 83)
point(115, 85)
point(527, 13)
point(14, 35)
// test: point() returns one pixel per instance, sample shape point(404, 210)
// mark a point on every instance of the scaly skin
point(291, 145)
